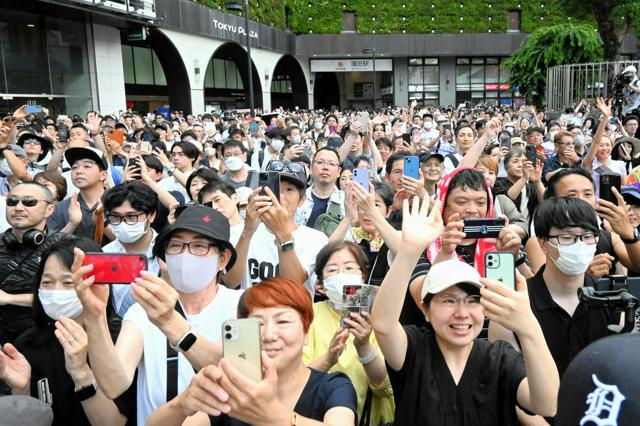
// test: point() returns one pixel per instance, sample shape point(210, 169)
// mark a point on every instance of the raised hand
point(75, 343)
point(94, 298)
point(360, 327)
point(420, 227)
point(509, 308)
point(604, 106)
point(157, 297)
point(15, 370)
point(453, 235)
point(75, 211)
point(337, 345)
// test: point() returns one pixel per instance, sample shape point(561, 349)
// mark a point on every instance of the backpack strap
point(172, 364)
point(454, 160)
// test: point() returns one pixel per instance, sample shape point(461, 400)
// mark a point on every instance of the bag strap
point(365, 419)
point(454, 160)
point(260, 158)
point(172, 364)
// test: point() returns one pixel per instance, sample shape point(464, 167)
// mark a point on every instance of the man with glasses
point(130, 209)
point(565, 156)
point(28, 206)
point(272, 244)
point(567, 230)
point(235, 161)
point(323, 195)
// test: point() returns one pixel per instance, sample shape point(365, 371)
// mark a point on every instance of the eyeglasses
point(323, 163)
point(569, 239)
point(238, 154)
point(129, 219)
point(31, 142)
point(349, 269)
point(451, 301)
point(195, 248)
point(27, 202)
point(281, 166)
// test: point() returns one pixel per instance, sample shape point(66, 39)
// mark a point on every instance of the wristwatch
point(633, 240)
point(522, 259)
point(85, 392)
point(286, 245)
point(185, 342)
point(171, 170)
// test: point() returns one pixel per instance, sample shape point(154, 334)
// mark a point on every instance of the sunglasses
point(31, 142)
point(281, 166)
point(27, 202)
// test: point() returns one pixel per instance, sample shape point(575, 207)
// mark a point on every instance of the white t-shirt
point(152, 370)
point(263, 261)
point(234, 233)
point(170, 183)
point(448, 164)
point(4, 225)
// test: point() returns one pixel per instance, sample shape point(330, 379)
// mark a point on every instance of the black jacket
point(14, 320)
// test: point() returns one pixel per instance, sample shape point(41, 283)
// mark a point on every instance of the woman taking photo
point(443, 374)
point(353, 350)
point(289, 394)
point(54, 351)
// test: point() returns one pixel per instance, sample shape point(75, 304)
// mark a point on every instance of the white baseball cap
point(630, 68)
point(443, 275)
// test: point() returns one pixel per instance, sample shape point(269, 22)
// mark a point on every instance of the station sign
point(350, 65)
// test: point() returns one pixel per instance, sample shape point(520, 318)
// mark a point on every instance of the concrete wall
point(106, 70)
point(447, 71)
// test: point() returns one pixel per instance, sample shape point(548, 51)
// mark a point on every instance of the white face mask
point(277, 144)
point(574, 259)
point(296, 139)
point(318, 126)
point(428, 125)
point(209, 151)
point(190, 273)
point(57, 303)
point(234, 163)
point(335, 283)
point(126, 233)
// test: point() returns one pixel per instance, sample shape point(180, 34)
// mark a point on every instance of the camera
point(620, 81)
point(615, 293)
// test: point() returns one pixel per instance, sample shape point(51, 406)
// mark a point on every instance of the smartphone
point(44, 393)
point(356, 298)
point(109, 268)
point(412, 166)
point(145, 147)
point(307, 150)
point(363, 118)
point(483, 228)
point(241, 345)
point(63, 132)
point(361, 175)
point(531, 154)
point(334, 142)
point(270, 180)
point(117, 136)
point(254, 127)
point(506, 143)
point(33, 109)
point(147, 137)
point(608, 181)
point(501, 266)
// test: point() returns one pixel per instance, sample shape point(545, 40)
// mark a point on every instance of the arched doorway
point(326, 91)
point(226, 82)
point(288, 85)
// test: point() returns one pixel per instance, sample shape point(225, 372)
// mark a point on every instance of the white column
point(197, 101)
point(109, 72)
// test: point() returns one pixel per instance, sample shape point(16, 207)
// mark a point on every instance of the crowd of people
point(272, 217)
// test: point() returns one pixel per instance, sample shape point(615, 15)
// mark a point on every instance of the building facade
point(108, 55)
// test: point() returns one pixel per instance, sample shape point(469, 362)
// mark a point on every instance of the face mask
point(190, 273)
point(332, 129)
point(4, 168)
point(579, 140)
point(574, 259)
point(233, 163)
point(208, 151)
point(126, 233)
point(277, 144)
point(296, 139)
point(317, 126)
point(428, 125)
point(57, 303)
point(334, 285)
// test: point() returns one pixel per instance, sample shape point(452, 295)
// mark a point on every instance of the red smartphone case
point(109, 268)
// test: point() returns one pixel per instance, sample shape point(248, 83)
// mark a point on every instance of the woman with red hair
point(289, 393)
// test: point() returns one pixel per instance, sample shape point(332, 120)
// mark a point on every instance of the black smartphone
point(63, 132)
point(407, 138)
point(531, 154)
point(270, 180)
point(608, 181)
point(483, 228)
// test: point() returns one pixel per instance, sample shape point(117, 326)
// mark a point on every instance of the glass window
point(415, 61)
point(208, 76)
point(484, 80)
point(491, 74)
point(219, 79)
point(423, 78)
point(127, 64)
point(431, 75)
point(462, 61)
point(505, 74)
point(431, 61)
point(415, 95)
point(415, 75)
point(477, 61)
point(144, 65)
point(158, 72)
point(477, 74)
point(238, 77)
point(230, 68)
point(491, 60)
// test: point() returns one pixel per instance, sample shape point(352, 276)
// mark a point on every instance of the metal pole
point(249, 68)
point(373, 54)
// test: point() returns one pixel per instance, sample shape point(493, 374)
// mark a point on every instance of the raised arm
point(419, 229)
point(475, 152)
point(605, 107)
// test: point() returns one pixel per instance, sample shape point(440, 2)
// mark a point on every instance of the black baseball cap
point(203, 220)
point(44, 143)
point(428, 154)
point(299, 179)
point(74, 154)
point(534, 129)
point(602, 382)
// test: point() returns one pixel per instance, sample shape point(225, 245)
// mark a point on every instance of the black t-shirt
point(566, 335)
point(322, 392)
point(503, 185)
point(319, 207)
point(46, 356)
point(426, 394)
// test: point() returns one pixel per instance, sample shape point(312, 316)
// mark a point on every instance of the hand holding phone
point(412, 166)
point(111, 268)
point(607, 182)
point(500, 266)
point(241, 345)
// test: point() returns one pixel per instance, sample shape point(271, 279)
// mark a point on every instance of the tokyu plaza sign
point(350, 65)
point(235, 29)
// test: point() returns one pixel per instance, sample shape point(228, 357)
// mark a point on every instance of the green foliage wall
point(409, 16)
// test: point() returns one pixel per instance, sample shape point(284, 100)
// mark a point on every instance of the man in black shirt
point(567, 230)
